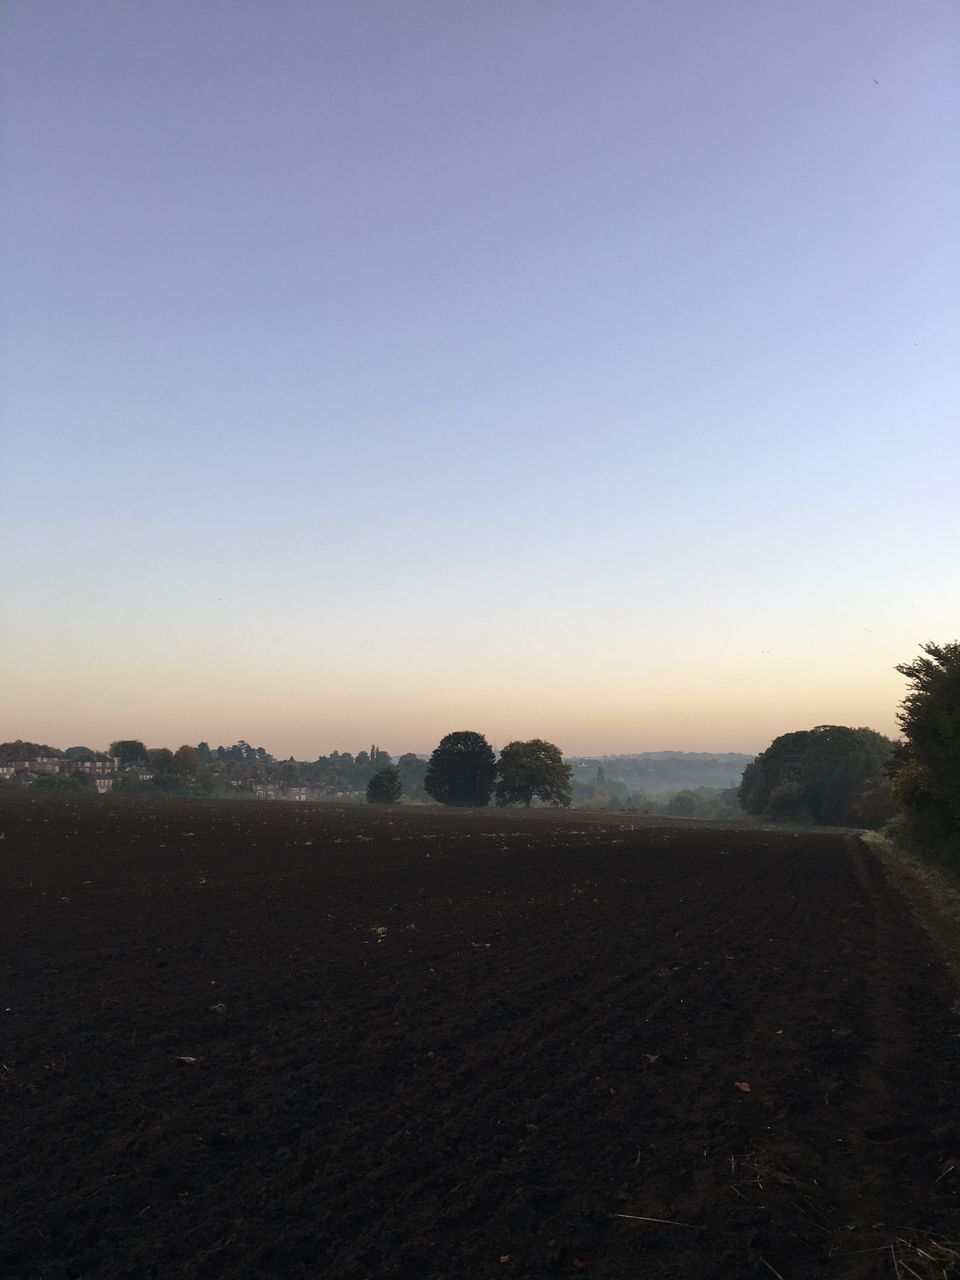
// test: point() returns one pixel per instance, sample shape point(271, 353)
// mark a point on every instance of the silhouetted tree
point(461, 770)
point(385, 787)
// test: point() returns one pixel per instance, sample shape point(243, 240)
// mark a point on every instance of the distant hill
point(659, 772)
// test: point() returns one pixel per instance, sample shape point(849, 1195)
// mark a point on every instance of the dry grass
point(934, 896)
point(931, 1260)
point(922, 1257)
point(933, 893)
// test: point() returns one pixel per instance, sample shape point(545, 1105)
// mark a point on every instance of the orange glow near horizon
point(303, 714)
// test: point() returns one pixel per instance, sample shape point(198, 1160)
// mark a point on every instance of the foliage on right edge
point(927, 780)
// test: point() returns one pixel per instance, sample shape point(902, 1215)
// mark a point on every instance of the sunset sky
point(582, 369)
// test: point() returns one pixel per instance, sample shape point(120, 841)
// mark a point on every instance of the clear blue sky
point(373, 370)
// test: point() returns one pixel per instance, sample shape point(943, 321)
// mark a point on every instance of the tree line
point(225, 770)
point(464, 771)
point(856, 777)
point(831, 774)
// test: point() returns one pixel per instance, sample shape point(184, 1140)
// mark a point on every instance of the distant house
point(298, 793)
point(103, 785)
point(138, 773)
point(265, 790)
point(44, 764)
point(23, 777)
point(19, 766)
point(101, 767)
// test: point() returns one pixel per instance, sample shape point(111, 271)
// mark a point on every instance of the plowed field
point(254, 1039)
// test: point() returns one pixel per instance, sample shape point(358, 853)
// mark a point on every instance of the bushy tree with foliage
point(780, 763)
point(462, 770)
point(186, 761)
point(875, 806)
point(160, 760)
point(682, 804)
point(927, 779)
point(78, 782)
point(815, 775)
point(385, 786)
point(412, 771)
point(130, 751)
point(534, 769)
point(289, 774)
point(11, 752)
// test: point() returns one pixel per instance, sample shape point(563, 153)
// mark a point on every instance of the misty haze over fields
point(661, 772)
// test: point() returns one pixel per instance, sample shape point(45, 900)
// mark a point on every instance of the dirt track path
point(557, 1041)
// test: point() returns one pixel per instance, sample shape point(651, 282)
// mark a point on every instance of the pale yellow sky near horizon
point(718, 670)
point(608, 706)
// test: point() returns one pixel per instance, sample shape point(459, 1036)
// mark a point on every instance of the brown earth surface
point(242, 1039)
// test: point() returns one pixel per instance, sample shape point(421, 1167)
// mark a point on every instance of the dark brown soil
point(243, 1039)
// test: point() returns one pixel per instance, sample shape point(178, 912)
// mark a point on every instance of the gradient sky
point(370, 370)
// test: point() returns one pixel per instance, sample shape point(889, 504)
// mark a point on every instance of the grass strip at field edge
point(932, 891)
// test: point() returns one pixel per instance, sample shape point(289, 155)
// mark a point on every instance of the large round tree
point(461, 770)
point(815, 774)
point(529, 769)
